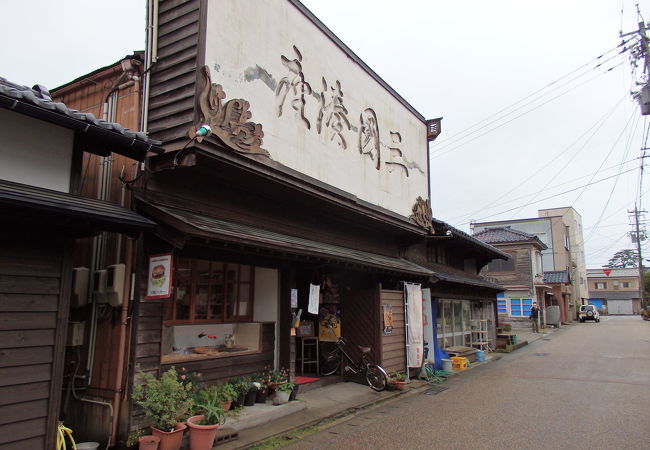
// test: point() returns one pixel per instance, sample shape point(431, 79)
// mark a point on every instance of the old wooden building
point(42, 147)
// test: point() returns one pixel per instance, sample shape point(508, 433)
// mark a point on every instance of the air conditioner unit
point(99, 284)
point(115, 284)
point(80, 278)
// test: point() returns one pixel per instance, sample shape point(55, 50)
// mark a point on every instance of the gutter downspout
point(124, 318)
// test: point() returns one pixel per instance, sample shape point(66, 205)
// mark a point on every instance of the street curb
point(330, 421)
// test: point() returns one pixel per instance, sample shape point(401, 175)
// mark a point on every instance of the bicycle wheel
point(376, 378)
point(330, 364)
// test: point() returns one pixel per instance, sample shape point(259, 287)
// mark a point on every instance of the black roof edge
point(128, 144)
point(455, 232)
point(353, 56)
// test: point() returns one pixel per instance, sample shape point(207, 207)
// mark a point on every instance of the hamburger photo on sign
point(159, 276)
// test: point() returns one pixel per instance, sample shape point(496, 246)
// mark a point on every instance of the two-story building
point(46, 220)
point(294, 179)
point(615, 291)
point(560, 230)
point(521, 275)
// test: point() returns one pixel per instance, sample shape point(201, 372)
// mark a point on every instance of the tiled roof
point(13, 94)
point(506, 235)
point(470, 239)
point(557, 276)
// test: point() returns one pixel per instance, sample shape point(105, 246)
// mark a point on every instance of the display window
point(210, 312)
point(210, 292)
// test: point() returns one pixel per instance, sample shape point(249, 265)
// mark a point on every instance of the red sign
point(607, 271)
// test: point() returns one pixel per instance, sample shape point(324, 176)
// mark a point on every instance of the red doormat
point(304, 380)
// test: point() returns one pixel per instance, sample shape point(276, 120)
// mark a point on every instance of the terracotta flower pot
point(201, 436)
point(170, 440)
point(227, 405)
point(396, 385)
point(148, 442)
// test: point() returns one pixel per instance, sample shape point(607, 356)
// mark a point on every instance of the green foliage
point(163, 399)
point(241, 385)
point(190, 378)
point(286, 387)
point(219, 393)
point(279, 376)
point(623, 259)
point(213, 412)
point(397, 376)
point(132, 440)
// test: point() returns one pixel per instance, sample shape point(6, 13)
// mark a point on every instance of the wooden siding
point(147, 351)
point(360, 324)
point(393, 346)
point(173, 77)
point(32, 336)
point(522, 273)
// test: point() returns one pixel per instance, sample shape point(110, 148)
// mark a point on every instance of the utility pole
point(643, 51)
point(638, 235)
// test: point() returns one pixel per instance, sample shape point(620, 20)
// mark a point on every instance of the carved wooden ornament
point(422, 214)
point(228, 121)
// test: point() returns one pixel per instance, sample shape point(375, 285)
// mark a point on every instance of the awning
point(463, 279)
point(54, 208)
point(196, 225)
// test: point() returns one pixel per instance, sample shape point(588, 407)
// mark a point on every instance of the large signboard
point(322, 113)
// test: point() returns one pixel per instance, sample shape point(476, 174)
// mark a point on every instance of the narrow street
point(587, 386)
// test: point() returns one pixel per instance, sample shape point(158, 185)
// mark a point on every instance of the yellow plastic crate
point(459, 362)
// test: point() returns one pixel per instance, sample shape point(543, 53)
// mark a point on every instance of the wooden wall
point(361, 322)
point(34, 289)
point(522, 273)
point(147, 352)
point(173, 77)
point(393, 346)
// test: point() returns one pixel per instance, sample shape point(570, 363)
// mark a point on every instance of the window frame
point(195, 279)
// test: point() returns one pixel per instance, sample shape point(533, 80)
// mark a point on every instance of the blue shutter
point(501, 306)
point(515, 307)
point(526, 304)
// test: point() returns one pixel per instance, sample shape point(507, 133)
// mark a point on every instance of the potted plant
point(164, 400)
point(277, 378)
point(294, 392)
point(241, 387)
point(397, 381)
point(282, 393)
point(148, 442)
point(227, 394)
point(203, 427)
point(251, 394)
point(261, 382)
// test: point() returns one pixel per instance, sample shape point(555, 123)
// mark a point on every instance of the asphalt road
point(587, 386)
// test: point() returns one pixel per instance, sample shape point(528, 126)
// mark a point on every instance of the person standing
point(534, 317)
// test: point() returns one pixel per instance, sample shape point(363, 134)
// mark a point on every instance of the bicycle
point(374, 374)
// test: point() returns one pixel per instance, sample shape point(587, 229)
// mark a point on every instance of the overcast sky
point(465, 61)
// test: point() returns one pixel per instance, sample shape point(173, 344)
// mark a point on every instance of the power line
point(445, 141)
point(554, 157)
point(552, 196)
point(520, 115)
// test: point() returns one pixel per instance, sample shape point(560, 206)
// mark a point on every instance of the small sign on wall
point(159, 277)
point(387, 312)
point(294, 298)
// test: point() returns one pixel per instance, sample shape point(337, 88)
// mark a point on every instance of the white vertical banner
point(314, 292)
point(427, 323)
point(414, 338)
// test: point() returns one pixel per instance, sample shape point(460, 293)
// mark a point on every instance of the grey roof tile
point(556, 276)
point(39, 96)
point(506, 235)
